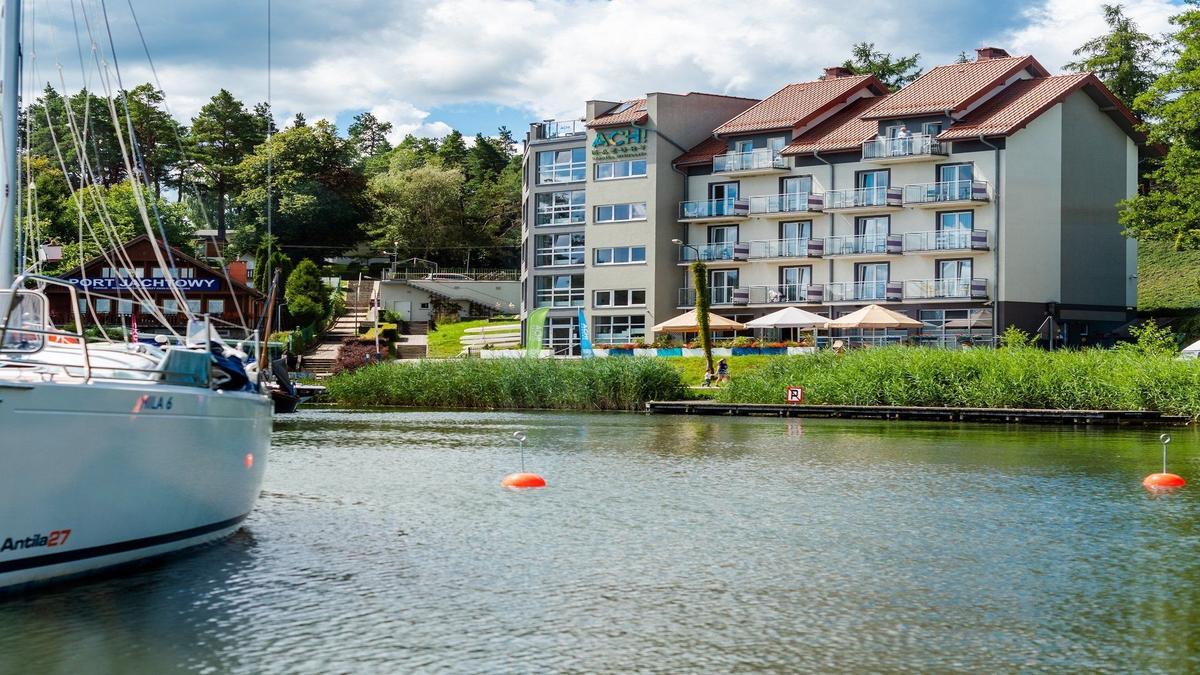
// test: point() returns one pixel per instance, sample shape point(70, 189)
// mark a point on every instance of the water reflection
point(383, 543)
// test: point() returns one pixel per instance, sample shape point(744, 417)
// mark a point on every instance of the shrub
point(354, 354)
point(307, 297)
point(1150, 339)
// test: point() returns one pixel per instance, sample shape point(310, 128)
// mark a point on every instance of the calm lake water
point(383, 543)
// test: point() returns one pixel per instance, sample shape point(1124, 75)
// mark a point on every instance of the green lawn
point(692, 367)
point(1167, 279)
point(443, 342)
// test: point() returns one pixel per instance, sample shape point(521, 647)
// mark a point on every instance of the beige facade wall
point(1030, 240)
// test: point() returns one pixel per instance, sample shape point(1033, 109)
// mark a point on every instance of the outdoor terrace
point(760, 161)
point(916, 148)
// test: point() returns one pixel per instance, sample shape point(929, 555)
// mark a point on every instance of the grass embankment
point(1090, 379)
point(587, 384)
point(444, 343)
point(1167, 279)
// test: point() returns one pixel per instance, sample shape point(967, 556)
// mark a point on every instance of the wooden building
point(208, 290)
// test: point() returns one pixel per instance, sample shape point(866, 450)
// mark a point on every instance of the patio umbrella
point(789, 317)
point(687, 323)
point(874, 316)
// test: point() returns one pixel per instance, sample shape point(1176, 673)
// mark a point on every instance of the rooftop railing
point(559, 129)
point(762, 158)
point(917, 145)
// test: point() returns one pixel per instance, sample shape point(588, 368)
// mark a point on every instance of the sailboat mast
point(10, 88)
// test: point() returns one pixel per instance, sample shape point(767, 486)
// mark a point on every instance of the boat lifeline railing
point(48, 334)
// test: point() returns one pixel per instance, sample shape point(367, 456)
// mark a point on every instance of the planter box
point(600, 353)
point(508, 353)
point(793, 351)
point(744, 351)
point(645, 352)
point(722, 351)
point(772, 351)
point(692, 352)
point(620, 352)
point(670, 351)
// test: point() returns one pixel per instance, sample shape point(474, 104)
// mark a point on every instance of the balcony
point(551, 129)
point(866, 245)
point(718, 296)
point(947, 240)
point(865, 200)
point(946, 289)
point(558, 297)
point(782, 206)
point(866, 291)
point(787, 294)
point(709, 210)
point(761, 161)
point(562, 256)
point(732, 252)
point(787, 248)
point(916, 148)
point(946, 193)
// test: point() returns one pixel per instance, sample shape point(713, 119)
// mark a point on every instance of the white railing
point(779, 248)
point(717, 295)
point(863, 197)
point(714, 208)
point(860, 290)
point(947, 240)
point(564, 172)
point(560, 256)
point(558, 297)
point(557, 129)
point(762, 158)
point(946, 191)
point(916, 145)
point(955, 287)
point(864, 244)
point(784, 294)
point(784, 203)
point(724, 251)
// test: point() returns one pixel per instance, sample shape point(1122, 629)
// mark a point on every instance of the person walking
point(722, 371)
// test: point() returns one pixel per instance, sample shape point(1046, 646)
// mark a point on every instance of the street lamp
point(680, 243)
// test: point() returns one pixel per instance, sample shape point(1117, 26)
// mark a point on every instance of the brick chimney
point(837, 71)
point(987, 53)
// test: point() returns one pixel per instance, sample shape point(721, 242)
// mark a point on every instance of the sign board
point(154, 284)
point(620, 143)
point(794, 394)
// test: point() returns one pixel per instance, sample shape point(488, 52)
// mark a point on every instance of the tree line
point(449, 200)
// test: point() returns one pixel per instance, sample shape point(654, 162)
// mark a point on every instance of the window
point(620, 298)
point(124, 307)
point(216, 306)
point(872, 279)
point(618, 330)
point(186, 273)
point(620, 255)
point(557, 250)
point(193, 306)
point(776, 144)
point(743, 146)
point(561, 336)
point(954, 181)
point(106, 272)
point(793, 284)
point(156, 272)
point(721, 285)
point(871, 234)
point(931, 128)
point(560, 208)
point(83, 307)
point(793, 238)
point(170, 307)
point(947, 327)
point(562, 166)
point(562, 290)
point(953, 278)
point(722, 192)
point(103, 305)
point(628, 168)
point(954, 230)
point(617, 213)
point(147, 307)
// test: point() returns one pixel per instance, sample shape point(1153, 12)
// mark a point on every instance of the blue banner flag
point(585, 337)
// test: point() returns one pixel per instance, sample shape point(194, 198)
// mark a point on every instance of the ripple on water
point(383, 543)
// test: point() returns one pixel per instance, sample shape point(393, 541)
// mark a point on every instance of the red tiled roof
point(845, 130)
point(797, 104)
point(702, 153)
point(954, 87)
point(1021, 102)
point(632, 114)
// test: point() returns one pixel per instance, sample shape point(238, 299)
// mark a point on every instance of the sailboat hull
point(103, 474)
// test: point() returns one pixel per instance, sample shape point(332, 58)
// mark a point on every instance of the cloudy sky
point(477, 64)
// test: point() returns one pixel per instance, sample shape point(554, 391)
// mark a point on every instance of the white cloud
point(1057, 27)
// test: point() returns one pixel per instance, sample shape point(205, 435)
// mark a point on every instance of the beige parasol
point(686, 323)
point(874, 316)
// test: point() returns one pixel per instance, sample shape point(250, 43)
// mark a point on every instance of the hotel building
point(979, 196)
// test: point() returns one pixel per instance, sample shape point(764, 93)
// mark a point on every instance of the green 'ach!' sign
point(619, 143)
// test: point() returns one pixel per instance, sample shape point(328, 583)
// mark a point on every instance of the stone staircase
point(320, 359)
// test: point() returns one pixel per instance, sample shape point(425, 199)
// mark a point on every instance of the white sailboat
point(111, 452)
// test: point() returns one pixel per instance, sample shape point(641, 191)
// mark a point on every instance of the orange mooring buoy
point(1163, 481)
point(522, 481)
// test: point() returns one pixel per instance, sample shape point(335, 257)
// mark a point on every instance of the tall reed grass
point(1021, 377)
point(587, 384)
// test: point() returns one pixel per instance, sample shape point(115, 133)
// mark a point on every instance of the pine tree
point(369, 135)
point(895, 73)
point(224, 133)
point(1125, 58)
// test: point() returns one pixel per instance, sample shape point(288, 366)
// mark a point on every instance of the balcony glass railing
point(779, 248)
point(558, 297)
point(779, 294)
point(866, 244)
point(917, 145)
point(955, 287)
point(785, 203)
point(947, 240)
point(862, 197)
point(763, 158)
point(717, 295)
point(714, 208)
point(859, 290)
point(946, 191)
point(721, 251)
point(559, 257)
point(559, 129)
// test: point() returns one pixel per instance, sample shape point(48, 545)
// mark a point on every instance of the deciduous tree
point(1125, 58)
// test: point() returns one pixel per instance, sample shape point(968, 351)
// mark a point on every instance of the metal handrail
point(946, 191)
point(779, 248)
point(854, 197)
point(761, 158)
point(862, 244)
point(946, 240)
point(788, 202)
point(916, 145)
point(732, 207)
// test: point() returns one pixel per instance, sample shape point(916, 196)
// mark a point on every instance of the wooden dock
point(993, 415)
